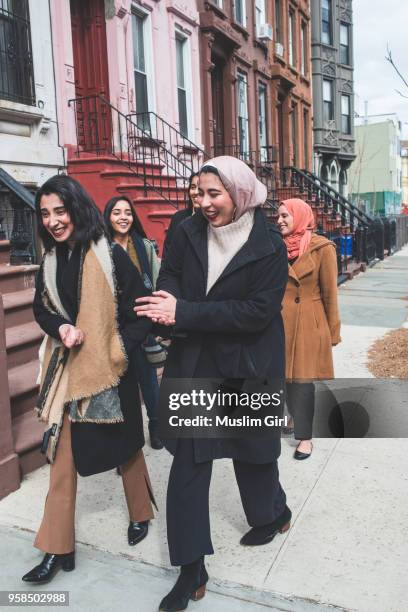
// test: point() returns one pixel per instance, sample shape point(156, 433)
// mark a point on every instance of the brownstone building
point(256, 80)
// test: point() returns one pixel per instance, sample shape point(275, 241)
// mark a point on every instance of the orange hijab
point(298, 241)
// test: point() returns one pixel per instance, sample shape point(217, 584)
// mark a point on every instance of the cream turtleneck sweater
point(224, 242)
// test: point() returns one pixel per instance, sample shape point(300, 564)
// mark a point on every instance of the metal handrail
point(105, 129)
point(333, 198)
point(18, 221)
point(338, 195)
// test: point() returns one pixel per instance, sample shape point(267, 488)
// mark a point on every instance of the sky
point(377, 23)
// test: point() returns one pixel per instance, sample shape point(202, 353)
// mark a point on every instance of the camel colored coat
point(310, 312)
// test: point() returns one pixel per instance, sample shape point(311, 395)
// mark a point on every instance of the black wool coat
point(236, 331)
point(177, 218)
point(100, 447)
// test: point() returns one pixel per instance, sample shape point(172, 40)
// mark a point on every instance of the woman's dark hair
point(190, 181)
point(210, 170)
point(110, 205)
point(85, 215)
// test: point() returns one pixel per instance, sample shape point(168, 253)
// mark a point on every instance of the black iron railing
point(17, 220)
point(16, 62)
point(182, 154)
point(346, 225)
point(162, 170)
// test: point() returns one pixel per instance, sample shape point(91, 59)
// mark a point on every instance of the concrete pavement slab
point(350, 539)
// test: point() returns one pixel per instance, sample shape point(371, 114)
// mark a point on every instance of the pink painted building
point(123, 57)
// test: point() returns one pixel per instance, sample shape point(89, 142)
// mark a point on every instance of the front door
point(94, 125)
point(218, 106)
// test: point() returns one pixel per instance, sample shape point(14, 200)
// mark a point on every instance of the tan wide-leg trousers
point(57, 531)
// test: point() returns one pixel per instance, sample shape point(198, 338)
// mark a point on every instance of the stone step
point(22, 343)
point(4, 251)
point(18, 307)
point(28, 433)
point(22, 379)
point(15, 278)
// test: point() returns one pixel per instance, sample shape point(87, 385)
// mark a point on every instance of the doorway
point(217, 87)
point(94, 123)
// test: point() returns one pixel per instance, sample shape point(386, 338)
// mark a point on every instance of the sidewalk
point(345, 550)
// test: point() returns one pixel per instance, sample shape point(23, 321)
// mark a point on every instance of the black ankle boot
point(155, 441)
point(137, 531)
point(257, 536)
point(190, 585)
point(46, 570)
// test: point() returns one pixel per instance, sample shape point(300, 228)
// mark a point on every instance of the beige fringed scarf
point(83, 379)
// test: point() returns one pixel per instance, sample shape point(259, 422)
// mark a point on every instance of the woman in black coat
point(221, 287)
point(183, 214)
point(84, 303)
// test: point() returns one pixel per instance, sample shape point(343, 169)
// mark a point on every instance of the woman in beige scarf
point(83, 302)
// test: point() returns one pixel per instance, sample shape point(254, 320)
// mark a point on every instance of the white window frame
point(242, 77)
point(347, 28)
point(292, 36)
point(260, 14)
point(346, 102)
point(188, 80)
point(303, 48)
point(149, 56)
point(263, 120)
point(242, 23)
point(330, 89)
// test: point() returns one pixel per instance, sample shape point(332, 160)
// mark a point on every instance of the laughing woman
point(221, 287)
point(83, 302)
point(125, 228)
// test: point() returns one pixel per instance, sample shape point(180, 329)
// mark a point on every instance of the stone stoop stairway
point(22, 337)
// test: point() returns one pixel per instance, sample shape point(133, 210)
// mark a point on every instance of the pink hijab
point(298, 241)
point(241, 183)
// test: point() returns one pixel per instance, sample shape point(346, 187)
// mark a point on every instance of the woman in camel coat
point(310, 314)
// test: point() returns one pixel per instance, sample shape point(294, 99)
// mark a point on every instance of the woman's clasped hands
point(71, 335)
point(160, 307)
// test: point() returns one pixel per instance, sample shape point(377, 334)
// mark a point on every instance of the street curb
point(229, 589)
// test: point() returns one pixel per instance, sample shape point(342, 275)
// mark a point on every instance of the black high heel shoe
point(190, 584)
point(46, 570)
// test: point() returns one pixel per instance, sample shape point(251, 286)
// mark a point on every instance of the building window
point(16, 62)
point(345, 115)
point(344, 44)
point(291, 38)
point(328, 108)
point(278, 21)
point(293, 117)
point(218, 3)
point(303, 49)
point(263, 136)
point(140, 66)
point(305, 139)
point(327, 36)
point(243, 121)
point(181, 84)
point(260, 14)
point(240, 12)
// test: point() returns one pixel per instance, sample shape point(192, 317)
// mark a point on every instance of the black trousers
point(188, 516)
point(300, 400)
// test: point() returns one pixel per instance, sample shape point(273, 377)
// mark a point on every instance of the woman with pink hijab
point(310, 315)
point(221, 288)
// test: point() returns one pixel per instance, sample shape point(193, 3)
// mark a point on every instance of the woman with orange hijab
point(310, 315)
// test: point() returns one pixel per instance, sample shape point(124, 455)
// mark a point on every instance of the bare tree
point(390, 60)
